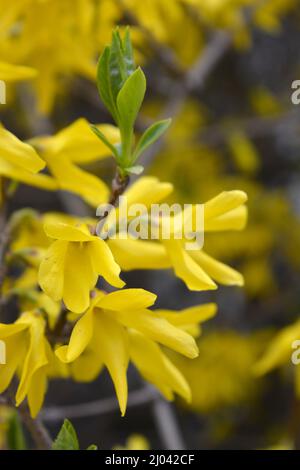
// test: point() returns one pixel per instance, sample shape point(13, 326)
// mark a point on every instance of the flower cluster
point(69, 325)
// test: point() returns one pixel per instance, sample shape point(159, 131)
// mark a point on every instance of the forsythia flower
point(19, 161)
point(77, 144)
point(26, 350)
point(73, 263)
point(196, 268)
point(134, 442)
point(279, 353)
point(221, 375)
point(118, 327)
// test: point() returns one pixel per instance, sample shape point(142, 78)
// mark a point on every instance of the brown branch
point(256, 126)
point(35, 427)
point(119, 185)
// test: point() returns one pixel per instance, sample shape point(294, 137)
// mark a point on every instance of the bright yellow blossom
point(197, 269)
point(119, 327)
point(279, 353)
point(73, 263)
point(20, 162)
point(73, 145)
point(26, 351)
point(135, 442)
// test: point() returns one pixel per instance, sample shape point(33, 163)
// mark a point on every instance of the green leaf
point(106, 142)
point(121, 62)
point(104, 83)
point(150, 136)
point(66, 438)
point(15, 434)
point(117, 65)
point(135, 170)
point(130, 99)
point(128, 52)
point(92, 447)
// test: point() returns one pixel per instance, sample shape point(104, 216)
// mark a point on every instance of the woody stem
point(35, 427)
point(119, 185)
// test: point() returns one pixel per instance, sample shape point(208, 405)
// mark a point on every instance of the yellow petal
point(128, 299)
point(15, 73)
point(36, 354)
point(86, 367)
point(78, 142)
point(72, 233)
point(17, 173)
point(37, 391)
point(160, 330)
point(156, 368)
point(15, 348)
point(147, 190)
point(136, 254)
point(232, 220)
point(81, 336)
point(114, 354)
point(191, 315)
point(10, 330)
point(79, 277)
point(18, 153)
point(279, 351)
point(74, 179)
point(186, 268)
point(218, 271)
point(224, 202)
point(51, 271)
point(103, 262)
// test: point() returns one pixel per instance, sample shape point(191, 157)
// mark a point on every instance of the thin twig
point(167, 425)
point(35, 427)
point(253, 127)
point(99, 407)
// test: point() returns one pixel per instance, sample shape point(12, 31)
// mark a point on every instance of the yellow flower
point(19, 161)
point(26, 351)
point(196, 268)
point(77, 144)
point(279, 353)
point(221, 375)
point(73, 263)
point(135, 442)
point(119, 327)
point(25, 288)
point(68, 36)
